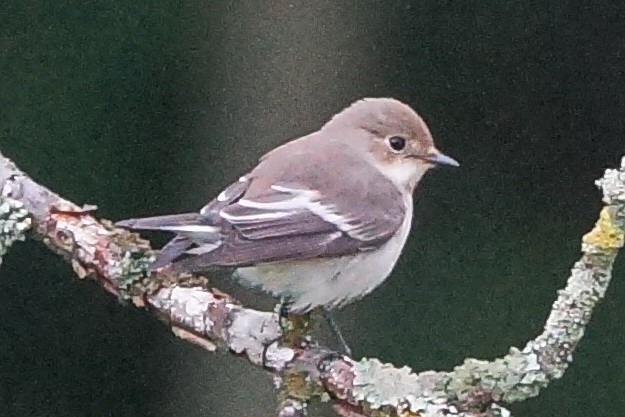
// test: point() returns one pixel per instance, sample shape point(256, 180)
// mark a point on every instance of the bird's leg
point(283, 314)
point(337, 331)
point(293, 328)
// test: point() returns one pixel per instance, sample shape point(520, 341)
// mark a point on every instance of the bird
point(321, 220)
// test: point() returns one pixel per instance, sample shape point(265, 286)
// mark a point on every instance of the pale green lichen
point(382, 386)
point(522, 373)
point(515, 376)
point(15, 221)
point(130, 271)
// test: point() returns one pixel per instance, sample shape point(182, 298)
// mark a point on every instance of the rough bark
point(117, 260)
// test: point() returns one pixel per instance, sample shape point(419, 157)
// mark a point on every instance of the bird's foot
point(266, 346)
point(293, 329)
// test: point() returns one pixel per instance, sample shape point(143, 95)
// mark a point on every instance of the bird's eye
point(397, 143)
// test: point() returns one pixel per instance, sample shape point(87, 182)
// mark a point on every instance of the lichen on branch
point(118, 259)
point(15, 221)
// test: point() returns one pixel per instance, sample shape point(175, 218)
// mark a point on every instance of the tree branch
point(117, 260)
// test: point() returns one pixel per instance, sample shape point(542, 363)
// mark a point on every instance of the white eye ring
point(396, 143)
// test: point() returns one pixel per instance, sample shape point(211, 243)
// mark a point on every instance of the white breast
point(330, 282)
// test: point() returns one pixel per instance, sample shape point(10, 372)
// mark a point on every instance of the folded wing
point(301, 209)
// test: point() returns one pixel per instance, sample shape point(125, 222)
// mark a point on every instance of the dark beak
point(441, 159)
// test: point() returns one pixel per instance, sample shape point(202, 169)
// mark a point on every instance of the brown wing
point(300, 208)
point(296, 204)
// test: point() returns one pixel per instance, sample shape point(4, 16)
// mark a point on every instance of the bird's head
point(396, 138)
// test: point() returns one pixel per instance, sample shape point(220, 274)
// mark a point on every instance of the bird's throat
point(405, 174)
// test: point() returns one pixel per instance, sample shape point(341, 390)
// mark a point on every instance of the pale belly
point(329, 282)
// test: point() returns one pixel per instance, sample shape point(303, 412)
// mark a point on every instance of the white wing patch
point(302, 199)
point(224, 196)
point(328, 213)
point(256, 217)
point(221, 197)
point(192, 228)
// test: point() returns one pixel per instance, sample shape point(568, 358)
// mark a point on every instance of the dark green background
point(152, 107)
